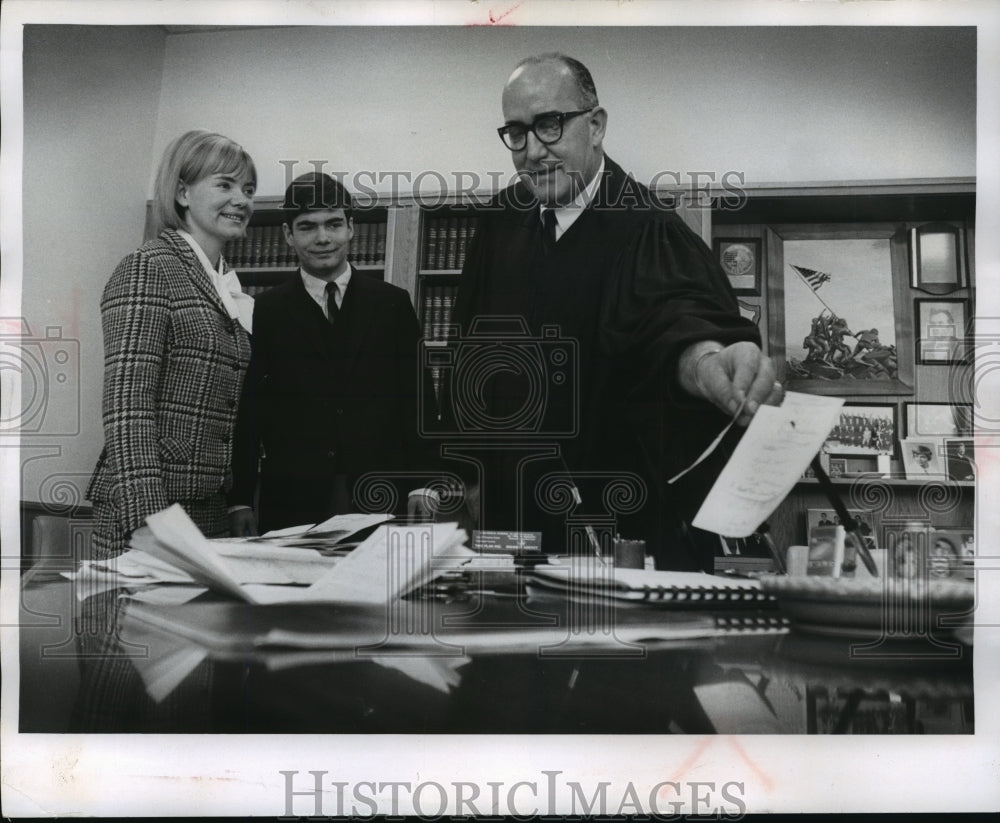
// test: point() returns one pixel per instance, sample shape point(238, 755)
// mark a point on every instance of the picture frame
point(922, 459)
point(938, 419)
point(740, 258)
point(838, 467)
point(839, 308)
point(864, 429)
point(825, 518)
point(942, 330)
point(960, 458)
point(937, 258)
point(951, 554)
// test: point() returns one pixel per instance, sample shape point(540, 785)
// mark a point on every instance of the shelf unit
point(903, 205)
point(262, 259)
point(445, 235)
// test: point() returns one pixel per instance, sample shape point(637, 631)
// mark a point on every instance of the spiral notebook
point(663, 588)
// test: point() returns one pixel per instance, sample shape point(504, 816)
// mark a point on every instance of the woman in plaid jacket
point(176, 348)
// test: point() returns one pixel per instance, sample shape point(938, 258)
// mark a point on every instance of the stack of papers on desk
point(386, 565)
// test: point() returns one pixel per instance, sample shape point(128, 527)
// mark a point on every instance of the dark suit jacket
point(173, 367)
point(329, 405)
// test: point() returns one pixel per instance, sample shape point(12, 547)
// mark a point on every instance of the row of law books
point(437, 303)
point(446, 241)
point(264, 247)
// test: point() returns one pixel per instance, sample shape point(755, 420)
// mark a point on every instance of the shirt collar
point(202, 257)
point(567, 215)
point(316, 286)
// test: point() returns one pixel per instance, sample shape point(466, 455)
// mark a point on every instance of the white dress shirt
point(567, 215)
point(316, 288)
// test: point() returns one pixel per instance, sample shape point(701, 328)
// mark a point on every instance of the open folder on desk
point(766, 464)
point(389, 563)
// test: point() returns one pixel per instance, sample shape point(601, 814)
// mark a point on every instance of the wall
point(90, 102)
point(779, 104)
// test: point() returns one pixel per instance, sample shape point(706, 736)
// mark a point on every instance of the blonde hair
point(189, 158)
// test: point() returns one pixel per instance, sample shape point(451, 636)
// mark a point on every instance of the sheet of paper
point(349, 523)
point(777, 447)
point(288, 531)
point(179, 543)
point(389, 563)
point(168, 595)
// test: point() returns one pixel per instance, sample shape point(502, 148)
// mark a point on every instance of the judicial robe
point(626, 289)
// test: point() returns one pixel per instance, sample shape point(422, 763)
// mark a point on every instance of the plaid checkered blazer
point(174, 363)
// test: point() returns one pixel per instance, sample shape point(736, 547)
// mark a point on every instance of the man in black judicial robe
point(661, 357)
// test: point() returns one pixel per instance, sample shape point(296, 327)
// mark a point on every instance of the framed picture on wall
point(838, 308)
point(938, 419)
point(740, 260)
point(937, 258)
point(942, 330)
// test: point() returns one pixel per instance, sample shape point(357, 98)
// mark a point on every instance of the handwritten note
point(774, 452)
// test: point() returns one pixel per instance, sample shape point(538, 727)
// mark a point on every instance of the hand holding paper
point(774, 452)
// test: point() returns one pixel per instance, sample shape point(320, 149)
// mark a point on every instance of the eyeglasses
point(547, 127)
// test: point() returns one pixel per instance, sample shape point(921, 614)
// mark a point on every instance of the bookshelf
point(263, 259)
point(445, 234)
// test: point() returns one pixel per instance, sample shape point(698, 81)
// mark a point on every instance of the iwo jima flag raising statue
point(829, 355)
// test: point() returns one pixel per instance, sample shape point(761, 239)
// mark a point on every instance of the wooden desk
point(736, 683)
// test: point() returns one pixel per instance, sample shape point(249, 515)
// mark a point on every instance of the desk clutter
point(370, 602)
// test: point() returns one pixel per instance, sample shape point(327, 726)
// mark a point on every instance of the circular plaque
point(737, 260)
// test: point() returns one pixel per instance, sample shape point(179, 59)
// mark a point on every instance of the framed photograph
point(942, 330)
point(838, 467)
point(938, 419)
point(922, 457)
point(951, 554)
point(864, 429)
point(937, 258)
point(825, 518)
point(740, 260)
point(960, 458)
point(839, 309)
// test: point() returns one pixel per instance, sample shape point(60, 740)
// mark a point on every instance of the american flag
point(814, 278)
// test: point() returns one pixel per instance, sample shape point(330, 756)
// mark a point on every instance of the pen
point(594, 544)
point(591, 537)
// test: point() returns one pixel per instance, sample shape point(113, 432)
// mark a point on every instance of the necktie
point(549, 229)
point(331, 302)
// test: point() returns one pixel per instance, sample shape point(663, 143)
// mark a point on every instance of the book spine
point(463, 241)
point(425, 311)
point(256, 248)
point(437, 315)
point(448, 305)
point(380, 243)
point(451, 253)
point(442, 245)
point(430, 243)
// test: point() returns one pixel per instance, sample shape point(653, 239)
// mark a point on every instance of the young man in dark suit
point(332, 391)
